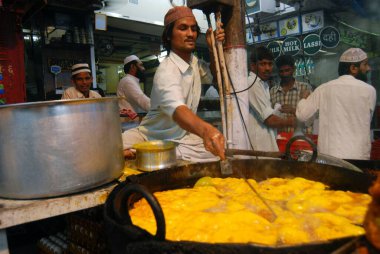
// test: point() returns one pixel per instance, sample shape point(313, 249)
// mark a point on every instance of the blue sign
point(1, 76)
point(55, 69)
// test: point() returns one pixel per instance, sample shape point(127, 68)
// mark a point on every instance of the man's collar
point(182, 65)
point(133, 77)
point(254, 75)
point(79, 93)
point(279, 88)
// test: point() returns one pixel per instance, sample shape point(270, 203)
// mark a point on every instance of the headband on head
point(78, 68)
point(176, 13)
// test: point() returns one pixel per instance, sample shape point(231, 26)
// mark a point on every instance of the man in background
point(82, 79)
point(263, 122)
point(133, 98)
point(345, 106)
point(288, 93)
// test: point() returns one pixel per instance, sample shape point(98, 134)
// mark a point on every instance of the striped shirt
point(291, 97)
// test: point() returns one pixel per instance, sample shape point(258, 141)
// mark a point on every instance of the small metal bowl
point(154, 155)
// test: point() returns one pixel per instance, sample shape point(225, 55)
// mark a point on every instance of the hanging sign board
point(275, 48)
point(291, 46)
point(100, 22)
point(55, 69)
point(289, 26)
point(312, 21)
point(250, 38)
point(311, 44)
point(329, 37)
point(269, 31)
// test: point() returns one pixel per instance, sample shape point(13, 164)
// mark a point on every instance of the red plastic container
point(284, 137)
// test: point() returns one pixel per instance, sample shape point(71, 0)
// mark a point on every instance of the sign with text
point(291, 46)
point(329, 37)
point(275, 48)
point(311, 44)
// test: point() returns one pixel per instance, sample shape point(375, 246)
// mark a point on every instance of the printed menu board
point(269, 31)
point(312, 21)
point(249, 38)
point(289, 26)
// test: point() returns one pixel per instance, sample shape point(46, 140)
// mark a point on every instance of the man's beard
point(140, 75)
point(362, 76)
point(286, 79)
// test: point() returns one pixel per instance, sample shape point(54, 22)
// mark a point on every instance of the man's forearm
point(274, 121)
point(189, 121)
point(213, 140)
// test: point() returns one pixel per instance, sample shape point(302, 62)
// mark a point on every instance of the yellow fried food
point(226, 210)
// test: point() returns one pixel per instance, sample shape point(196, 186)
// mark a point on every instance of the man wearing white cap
point(346, 106)
point(129, 88)
point(82, 80)
point(176, 93)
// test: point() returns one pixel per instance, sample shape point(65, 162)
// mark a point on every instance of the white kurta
point(175, 83)
point(73, 93)
point(134, 97)
point(263, 138)
point(346, 106)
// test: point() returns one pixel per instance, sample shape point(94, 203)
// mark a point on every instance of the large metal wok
point(127, 238)
point(59, 147)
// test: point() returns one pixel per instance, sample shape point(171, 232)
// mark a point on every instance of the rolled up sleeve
point(169, 91)
point(259, 102)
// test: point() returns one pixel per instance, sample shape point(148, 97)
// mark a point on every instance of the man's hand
point(214, 142)
point(129, 113)
point(219, 36)
point(286, 108)
point(129, 154)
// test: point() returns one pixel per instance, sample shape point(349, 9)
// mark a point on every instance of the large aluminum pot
point(59, 147)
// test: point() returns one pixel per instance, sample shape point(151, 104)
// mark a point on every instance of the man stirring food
point(82, 79)
point(176, 93)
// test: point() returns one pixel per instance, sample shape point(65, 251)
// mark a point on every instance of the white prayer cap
point(78, 68)
point(131, 58)
point(353, 55)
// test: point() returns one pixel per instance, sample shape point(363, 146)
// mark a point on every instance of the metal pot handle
point(123, 202)
point(300, 137)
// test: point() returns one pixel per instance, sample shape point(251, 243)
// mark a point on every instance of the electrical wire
point(253, 38)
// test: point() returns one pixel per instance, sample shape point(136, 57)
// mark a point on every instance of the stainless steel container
point(155, 155)
point(59, 147)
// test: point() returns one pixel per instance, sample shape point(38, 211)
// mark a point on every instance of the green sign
point(329, 37)
point(291, 46)
point(275, 47)
point(311, 44)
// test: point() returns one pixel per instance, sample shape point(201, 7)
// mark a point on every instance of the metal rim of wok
point(56, 102)
point(185, 176)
